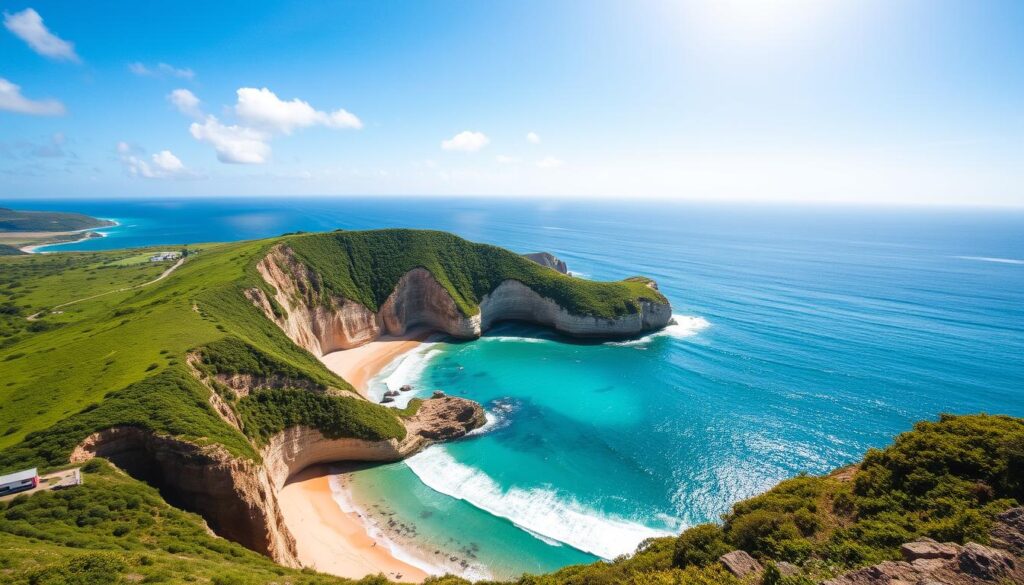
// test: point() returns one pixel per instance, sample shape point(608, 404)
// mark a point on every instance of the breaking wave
point(682, 326)
point(541, 512)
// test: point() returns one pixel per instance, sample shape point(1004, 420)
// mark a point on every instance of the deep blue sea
point(806, 335)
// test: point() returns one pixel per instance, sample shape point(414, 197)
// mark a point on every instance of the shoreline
point(332, 540)
point(328, 538)
point(359, 365)
point(32, 248)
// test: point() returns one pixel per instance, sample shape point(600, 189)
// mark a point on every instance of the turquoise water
point(810, 335)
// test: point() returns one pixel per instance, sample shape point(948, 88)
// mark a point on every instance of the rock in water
point(549, 260)
point(405, 388)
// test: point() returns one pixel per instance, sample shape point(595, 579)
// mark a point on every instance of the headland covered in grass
point(22, 232)
point(92, 341)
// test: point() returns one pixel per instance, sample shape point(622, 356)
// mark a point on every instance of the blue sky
point(859, 100)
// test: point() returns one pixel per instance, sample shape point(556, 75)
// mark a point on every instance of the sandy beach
point(330, 540)
point(360, 364)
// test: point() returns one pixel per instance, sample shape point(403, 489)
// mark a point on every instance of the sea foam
point(682, 326)
point(407, 368)
point(542, 512)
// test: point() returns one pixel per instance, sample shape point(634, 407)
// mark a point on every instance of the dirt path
point(162, 276)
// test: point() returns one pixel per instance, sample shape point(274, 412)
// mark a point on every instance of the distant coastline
point(87, 234)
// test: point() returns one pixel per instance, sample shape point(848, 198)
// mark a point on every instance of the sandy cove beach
point(330, 540)
point(360, 364)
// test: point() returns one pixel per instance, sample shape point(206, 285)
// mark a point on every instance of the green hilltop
point(92, 340)
point(47, 221)
point(120, 358)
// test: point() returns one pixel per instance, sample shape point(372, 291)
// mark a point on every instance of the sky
point(873, 101)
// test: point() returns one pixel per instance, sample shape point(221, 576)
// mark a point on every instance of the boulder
point(549, 260)
point(391, 393)
point(928, 549)
point(438, 394)
point(1008, 531)
point(387, 399)
point(740, 563)
point(985, 562)
point(405, 388)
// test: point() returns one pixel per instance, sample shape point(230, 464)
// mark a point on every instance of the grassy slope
point(366, 266)
point(113, 529)
point(120, 358)
point(46, 221)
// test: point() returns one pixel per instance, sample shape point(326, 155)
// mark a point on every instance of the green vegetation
point(114, 530)
point(47, 221)
point(6, 250)
point(271, 411)
point(944, 479)
point(129, 356)
point(366, 266)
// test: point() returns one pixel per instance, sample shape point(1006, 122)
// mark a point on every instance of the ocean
point(804, 336)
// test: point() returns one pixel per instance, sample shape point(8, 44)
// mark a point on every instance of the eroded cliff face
point(418, 300)
point(238, 497)
point(512, 300)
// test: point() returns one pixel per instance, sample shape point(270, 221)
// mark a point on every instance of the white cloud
point(550, 162)
point(186, 102)
point(161, 70)
point(262, 108)
point(506, 160)
point(466, 141)
point(162, 165)
point(234, 144)
point(12, 101)
point(28, 26)
point(533, 138)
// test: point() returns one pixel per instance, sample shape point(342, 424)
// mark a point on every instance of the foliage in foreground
point(113, 529)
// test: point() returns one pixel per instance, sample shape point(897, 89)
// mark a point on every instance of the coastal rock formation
point(418, 300)
point(926, 561)
point(238, 497)
point(740, 564)
point(549, 260)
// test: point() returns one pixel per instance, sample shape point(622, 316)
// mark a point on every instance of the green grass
point(365, 266)
point(47, 221)
point(113, 529)
point(121, 358)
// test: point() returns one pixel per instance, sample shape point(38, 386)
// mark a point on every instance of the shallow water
point(810, 335)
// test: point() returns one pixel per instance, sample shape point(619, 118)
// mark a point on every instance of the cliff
point(419, 300)
point(548, 260)
point(238, 497)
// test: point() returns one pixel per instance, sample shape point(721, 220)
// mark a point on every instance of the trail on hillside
point(162, 276)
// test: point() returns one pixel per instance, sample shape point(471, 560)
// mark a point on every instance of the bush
point(700, 546)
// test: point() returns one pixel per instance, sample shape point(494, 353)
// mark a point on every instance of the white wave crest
point(991, 259)
point(405, 369)
point(682, 326)
point(538, 511)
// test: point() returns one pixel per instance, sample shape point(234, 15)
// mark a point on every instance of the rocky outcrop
point(928, 562)
point(740, 564)
point(548, 260)
point(418, 300)
point(238, 497)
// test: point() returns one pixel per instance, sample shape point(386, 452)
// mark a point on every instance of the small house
point(19, 481)
point(162, 256)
